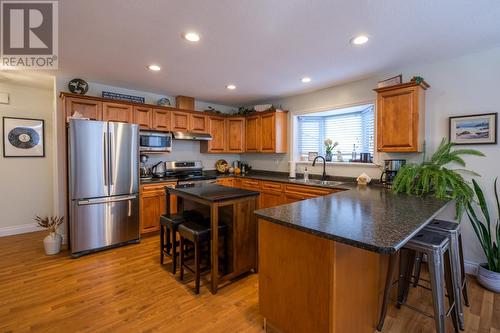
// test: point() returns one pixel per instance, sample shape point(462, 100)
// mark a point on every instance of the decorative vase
point(52, 243)
point(328, 156)
point(488, 279)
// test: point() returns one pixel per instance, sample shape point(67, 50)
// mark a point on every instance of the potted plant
point(433, 176)
point(329, 146)
point(52, 242)
point(488, 274)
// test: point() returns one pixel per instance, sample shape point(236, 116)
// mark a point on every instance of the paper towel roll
point(292, 169)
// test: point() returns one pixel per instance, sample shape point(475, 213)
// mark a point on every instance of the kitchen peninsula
point(323, 261)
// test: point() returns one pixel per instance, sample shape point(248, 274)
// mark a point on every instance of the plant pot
point(488, 279)
point(328, 156)
point(52, 243)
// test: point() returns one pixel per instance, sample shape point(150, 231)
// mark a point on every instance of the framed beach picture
point(474, 129)
point(23, 137)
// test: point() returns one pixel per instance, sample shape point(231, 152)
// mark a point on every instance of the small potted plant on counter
point(52, 242)
point(488, 274)
point(329, 146)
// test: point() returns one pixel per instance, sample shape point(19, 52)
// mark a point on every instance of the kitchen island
point(233, 207)
point(323, 261)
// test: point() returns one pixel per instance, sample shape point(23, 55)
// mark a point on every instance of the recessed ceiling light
point(155, 68)
point(359, 40)
point(231, 86)
point(192, 36)
point(305, 79)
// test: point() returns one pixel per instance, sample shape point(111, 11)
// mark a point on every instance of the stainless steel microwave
point(155, 142)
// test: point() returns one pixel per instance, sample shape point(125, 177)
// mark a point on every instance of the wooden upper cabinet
point(180, 121)
point(235, 135)
point(266, 133)
point(86, 107)
point(401, 117)
point(217, 131)
point(143, 116)
point(252, 134)
point(161, 120)
point(117, 112)
point(198, 123)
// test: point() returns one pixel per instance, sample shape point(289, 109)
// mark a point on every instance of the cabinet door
point(250, 184)
point(198, 123)
point(235, 135)
point(152, 203)
point(268, 133)
point(143, 117)
point(226, 182)
point(180, 121)
point(398, 120)
point(117, 112)
point(252, 134)
point(217, 131)
point(161, 120)
point(86, 107)
point(271, 199)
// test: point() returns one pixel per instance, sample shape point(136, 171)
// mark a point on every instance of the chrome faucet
point(324, 166)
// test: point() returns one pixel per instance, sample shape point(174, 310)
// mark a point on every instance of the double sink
point(326, 183)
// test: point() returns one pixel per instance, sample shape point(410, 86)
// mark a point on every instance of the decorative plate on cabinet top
point(78, 86)
point(164, 102)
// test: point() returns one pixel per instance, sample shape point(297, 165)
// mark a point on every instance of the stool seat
point(195, 231)
point(427, 239)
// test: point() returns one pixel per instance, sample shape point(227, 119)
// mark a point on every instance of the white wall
point(461, 86)
point(26, 183)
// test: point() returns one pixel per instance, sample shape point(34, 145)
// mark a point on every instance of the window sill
point(342, 164)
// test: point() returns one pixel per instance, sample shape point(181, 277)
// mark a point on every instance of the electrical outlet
point(4, 98)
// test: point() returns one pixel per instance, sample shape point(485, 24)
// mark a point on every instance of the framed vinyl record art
point(474, 129)
point(23, 137)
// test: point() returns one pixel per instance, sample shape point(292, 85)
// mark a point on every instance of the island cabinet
point(401, 117)
point(339, 285)
point(143, 116)
point(152, 205)
point(117, 112)
point(85, 107)
point(267, 132)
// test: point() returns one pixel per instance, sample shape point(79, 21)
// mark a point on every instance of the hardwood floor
point(126, 290)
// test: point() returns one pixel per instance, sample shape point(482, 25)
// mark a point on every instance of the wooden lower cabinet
point(271, 199)
point(152, 205)
point(226, 181)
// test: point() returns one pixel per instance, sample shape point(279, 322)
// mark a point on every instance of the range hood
point(191, 136)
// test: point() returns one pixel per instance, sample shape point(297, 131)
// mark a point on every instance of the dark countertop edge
point(351, 242)
point(248, 193)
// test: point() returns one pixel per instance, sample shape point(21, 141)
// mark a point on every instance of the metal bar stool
point(436, 247)
point(169, 225)
point(198, 235)
point(453, 232)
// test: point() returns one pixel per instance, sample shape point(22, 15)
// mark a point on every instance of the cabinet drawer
point(270, 187)
point(307, 191)
point(156, 187)
point(251, 184)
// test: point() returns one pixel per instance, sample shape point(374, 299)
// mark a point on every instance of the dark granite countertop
point(212, 192)
point(368, 217)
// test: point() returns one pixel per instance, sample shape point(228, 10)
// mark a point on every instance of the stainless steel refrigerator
point(103, 185)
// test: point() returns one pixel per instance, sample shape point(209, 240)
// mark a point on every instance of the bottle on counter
point(354, 154)
point(306, 174)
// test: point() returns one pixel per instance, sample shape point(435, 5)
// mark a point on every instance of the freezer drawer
point(98, 223)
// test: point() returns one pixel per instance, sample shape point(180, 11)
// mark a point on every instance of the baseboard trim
point(470, 267)
point(18, 229)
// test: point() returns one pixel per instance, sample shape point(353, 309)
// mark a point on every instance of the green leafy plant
point(483, 230)
point(433, 176)
point(51, 223)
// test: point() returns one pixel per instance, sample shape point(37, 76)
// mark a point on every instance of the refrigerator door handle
point(105, 200)
point(105, 159)
point(111, 158)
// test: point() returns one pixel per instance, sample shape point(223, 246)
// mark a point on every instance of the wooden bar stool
point(437, 249)
point(168, 234)
point(453, 232)
point(198, 235)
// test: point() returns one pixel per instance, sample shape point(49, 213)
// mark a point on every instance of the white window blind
point(348, 129)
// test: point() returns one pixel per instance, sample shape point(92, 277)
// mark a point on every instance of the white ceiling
point(264, 47)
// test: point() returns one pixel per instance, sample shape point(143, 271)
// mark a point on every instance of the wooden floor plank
point(126, 290)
